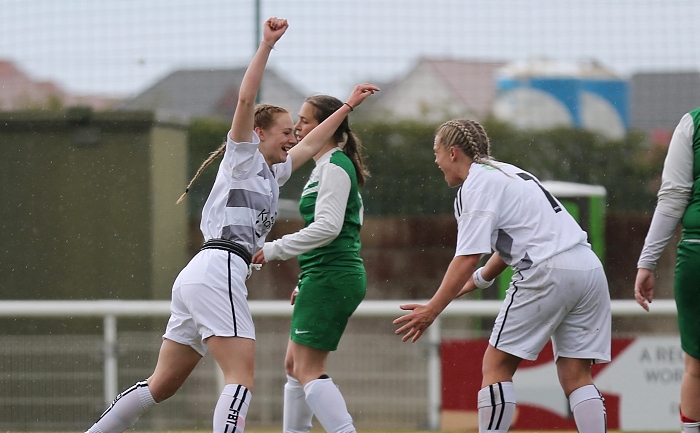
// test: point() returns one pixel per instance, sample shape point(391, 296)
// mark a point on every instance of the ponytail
point(324, 106)
point(353, 149)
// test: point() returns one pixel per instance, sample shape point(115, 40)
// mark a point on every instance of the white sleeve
point(660, 232)
point(476, 221)
point(677, 175)
point(239, 157)
point(329, 214)
point(674, 194)
point(283, 171)
point(474, 233)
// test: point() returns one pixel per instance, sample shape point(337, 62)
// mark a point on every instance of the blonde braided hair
point(469, 136)
point(212, 156)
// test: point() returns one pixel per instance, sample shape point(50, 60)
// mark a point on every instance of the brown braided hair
point(264, 119)
point(324, 106)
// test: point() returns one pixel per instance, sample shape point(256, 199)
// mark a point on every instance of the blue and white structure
point(544, 94)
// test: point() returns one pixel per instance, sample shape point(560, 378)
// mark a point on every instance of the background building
point(210, 93)
point(659, 99)
point(543, 94)
point(435, 90)
point(19, 91)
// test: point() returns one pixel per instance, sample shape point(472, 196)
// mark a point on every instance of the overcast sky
point(120, 47)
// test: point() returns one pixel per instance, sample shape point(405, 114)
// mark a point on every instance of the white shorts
point(565, 298)
point(210, 298)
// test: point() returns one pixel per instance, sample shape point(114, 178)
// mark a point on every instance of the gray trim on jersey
point(239, 233)
point(252, 196)
point(248, 199)
point(504, 245)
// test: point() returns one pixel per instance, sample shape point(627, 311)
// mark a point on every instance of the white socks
point(231, 409)
point(229, 415)
point(328, 404)
point(691, 427)
point(588, 409)
point(297, 413)
point(496, 405)
point(125, 410)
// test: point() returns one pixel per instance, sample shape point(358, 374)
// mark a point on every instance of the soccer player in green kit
point(333, 280)
point(679, 202)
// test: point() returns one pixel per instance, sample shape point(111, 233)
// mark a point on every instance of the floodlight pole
point(256, 41)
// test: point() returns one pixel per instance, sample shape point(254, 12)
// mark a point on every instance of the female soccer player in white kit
point(209, 309)
point(559, 289)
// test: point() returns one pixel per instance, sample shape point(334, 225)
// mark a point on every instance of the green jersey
point(691, 217)
point(343, 251)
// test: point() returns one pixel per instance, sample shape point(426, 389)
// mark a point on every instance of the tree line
point(405, 180)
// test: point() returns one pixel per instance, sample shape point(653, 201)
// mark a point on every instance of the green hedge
point(405, 180)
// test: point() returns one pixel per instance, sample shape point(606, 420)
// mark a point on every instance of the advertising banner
point(641, 386)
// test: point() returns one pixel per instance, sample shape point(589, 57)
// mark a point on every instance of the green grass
point(390, 431)
point(315, 430)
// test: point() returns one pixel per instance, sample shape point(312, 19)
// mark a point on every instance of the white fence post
point(109, 348)
point(434, 375)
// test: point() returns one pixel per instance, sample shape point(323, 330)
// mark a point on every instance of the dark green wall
point(76, 213)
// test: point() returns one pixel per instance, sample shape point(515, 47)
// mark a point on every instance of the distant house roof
point(19, 91)
point(473, 82)
point(659, 99)
point(210, 92)
point(436, 89)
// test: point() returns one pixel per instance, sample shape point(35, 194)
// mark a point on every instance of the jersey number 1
point(556, 206)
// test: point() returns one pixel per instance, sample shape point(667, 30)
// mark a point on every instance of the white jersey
point(507, 210)
point(242, 204)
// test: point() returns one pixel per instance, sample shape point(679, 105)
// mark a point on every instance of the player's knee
point(692, 366)
point(162, 389)
point(289, 366)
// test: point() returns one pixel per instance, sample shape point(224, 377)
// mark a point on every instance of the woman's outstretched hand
point(360, 93)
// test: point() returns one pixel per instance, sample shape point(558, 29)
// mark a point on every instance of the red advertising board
point(541, 405)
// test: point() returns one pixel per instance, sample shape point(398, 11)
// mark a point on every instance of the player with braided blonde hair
point(558, 290)
point(469, 135)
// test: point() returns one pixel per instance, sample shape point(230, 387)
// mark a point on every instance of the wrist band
point(479, 280)
point(350, 106)
point(272, 47)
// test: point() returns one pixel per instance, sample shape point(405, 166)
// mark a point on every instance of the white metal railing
point(109, 310)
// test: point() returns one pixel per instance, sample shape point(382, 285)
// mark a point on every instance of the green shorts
point(687, 293)
point(325, 302)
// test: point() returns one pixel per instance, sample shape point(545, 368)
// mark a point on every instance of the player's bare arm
point(243, 118)
point(493, 268)
point(314, 141)
point(422, 316)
